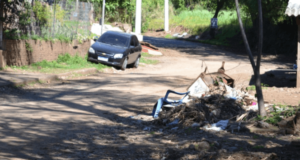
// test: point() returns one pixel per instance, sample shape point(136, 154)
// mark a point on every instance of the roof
point(293, 8)
point(119, 33)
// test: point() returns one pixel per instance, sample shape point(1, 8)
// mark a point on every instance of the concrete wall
point(15, 53)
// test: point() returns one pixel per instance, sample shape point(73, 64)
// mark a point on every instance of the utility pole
point(166, 15)
point(102, 20)
point(138, 17)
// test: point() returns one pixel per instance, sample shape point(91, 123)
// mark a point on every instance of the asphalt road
point(172, 43)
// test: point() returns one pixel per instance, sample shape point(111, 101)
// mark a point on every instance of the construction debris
point(213, 101)
point(148, 45)
point(204, 110)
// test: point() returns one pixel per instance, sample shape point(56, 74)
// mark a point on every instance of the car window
point(116, 40)
point(136, 41)
point(132, 42)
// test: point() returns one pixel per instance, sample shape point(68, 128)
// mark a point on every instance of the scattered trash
point(221, 125)
point(195, 125)
point(179, 36)
point(295, 66)
point(149, 48)
point(156, 53)
point(147, 129)
point(148, 45)
point(175, 128)
point(175, 122)
point(211, 102)
point(175, 35)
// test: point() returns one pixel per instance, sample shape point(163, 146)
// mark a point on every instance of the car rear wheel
point(124, 65)
point(136, 63)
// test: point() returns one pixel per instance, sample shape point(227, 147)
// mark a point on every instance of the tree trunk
point(220, 5)
point(1, 25)
point(256, 68)
point(260, 97)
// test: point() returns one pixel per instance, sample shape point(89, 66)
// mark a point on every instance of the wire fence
point(64, 20)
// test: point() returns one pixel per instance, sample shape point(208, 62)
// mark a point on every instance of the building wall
point(16, 54)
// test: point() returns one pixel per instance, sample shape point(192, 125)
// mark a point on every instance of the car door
point(131, 51)
point(136, 48)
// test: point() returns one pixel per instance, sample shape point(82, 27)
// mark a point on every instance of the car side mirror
point(131, 47)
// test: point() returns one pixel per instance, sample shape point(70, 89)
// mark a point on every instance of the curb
point(48, 78)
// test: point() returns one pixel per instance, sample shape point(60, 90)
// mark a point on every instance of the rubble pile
point(205, 110)
point(212, 103)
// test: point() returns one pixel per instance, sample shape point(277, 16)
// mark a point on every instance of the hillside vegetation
point(280, 31)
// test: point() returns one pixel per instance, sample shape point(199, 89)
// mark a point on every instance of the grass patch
point(145, 60)
point(198, 21)
point(64, 63)
point(279, 112)
point(169, 36)
point(253, 88)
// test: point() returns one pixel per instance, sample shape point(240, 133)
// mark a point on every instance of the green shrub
point(42, 13)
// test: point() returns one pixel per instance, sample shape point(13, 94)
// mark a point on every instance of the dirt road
point(106, 115)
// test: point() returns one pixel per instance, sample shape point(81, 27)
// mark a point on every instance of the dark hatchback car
point(116, 49)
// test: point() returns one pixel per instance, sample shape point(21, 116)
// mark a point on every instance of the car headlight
point(118, 55)
point(91, 50)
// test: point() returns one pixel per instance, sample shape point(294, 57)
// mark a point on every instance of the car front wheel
point(124, 65)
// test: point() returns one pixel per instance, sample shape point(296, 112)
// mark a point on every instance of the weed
point(169, 36)
point(144, 54)
point(152, 132)
point(28, 47)
point(253, 88)
point(259, 118)
point(19, 86)
point(145, 60)
point(196, 146)
point(41, 81)
point(274, 119)
point(258, 147)
point(255, 137)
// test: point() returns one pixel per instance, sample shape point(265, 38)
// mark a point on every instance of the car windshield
point(116, 40)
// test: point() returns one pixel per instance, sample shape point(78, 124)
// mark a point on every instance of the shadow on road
point(89, 119)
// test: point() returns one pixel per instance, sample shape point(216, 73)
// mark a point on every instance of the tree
point(8, 12)
point(255, 67)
